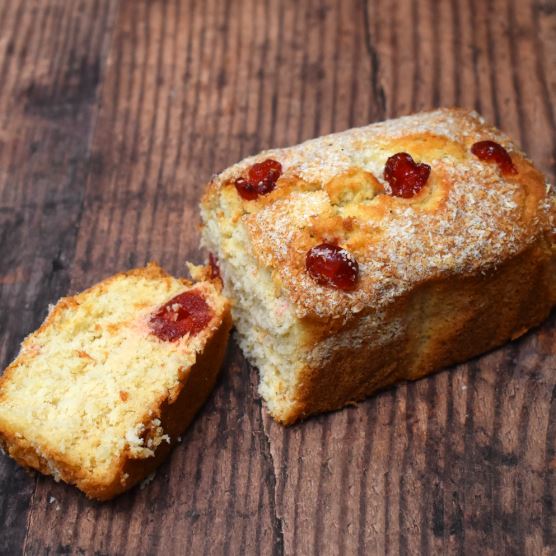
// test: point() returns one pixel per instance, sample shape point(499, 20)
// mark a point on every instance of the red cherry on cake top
point(262, 178)
point(405, 176)
point(490, 151)
point(186, 313)
point(246, 189)
point(331, 265)
point(263, 173)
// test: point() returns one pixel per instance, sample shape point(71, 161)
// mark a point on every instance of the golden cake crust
point(170, 413)
point(462, 267)
point(469, 218)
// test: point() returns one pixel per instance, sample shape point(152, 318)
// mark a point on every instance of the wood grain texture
point(51, 56)
point(114, 113)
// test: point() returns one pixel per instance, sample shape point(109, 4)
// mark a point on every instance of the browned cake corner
point(102, 390)
point(449, 251)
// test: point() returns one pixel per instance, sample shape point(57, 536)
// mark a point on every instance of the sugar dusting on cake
point(478, 224)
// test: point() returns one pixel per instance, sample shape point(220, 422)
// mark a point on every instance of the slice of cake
point(380, 254)
point(101, 391)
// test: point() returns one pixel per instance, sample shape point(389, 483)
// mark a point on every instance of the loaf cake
point(102, 390)
point(380, 254)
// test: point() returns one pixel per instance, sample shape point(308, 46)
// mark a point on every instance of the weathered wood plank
point(51, 57)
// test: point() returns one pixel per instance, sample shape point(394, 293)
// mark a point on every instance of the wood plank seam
point(277, 520)
point(374, 59)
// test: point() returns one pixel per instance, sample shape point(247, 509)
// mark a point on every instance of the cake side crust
point(438, 324)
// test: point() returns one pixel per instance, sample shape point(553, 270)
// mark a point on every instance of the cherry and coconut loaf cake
point(380, 254)
point(102, 390)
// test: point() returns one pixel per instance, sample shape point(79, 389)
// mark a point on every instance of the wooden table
point(113, 115)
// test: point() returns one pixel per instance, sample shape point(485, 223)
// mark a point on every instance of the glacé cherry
point(490, 151)
point(186, 313)
point(405, 176)
point(246, 189)
point(331, 265)
point(262, 178)
point(214, 268)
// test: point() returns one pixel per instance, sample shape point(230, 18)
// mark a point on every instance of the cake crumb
point(148, 480)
